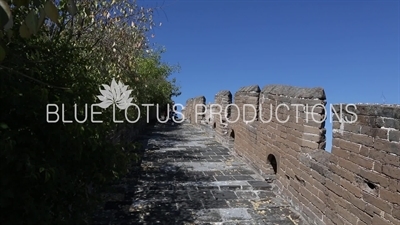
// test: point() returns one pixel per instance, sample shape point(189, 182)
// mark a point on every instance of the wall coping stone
point(295, 92)
point(224, 93)
point(250, 88)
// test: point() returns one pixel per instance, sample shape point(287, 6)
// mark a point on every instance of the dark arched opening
point(272, 161)
point(214, 125)
point(232, 134)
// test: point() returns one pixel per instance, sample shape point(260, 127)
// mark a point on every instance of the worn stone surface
point(296, 92)
point(186, 177)
point(251, 88)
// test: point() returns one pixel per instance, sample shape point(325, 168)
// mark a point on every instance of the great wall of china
point(358, 183)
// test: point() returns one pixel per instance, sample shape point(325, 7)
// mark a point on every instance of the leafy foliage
point(60, 52)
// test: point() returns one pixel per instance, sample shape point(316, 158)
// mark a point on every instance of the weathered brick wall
point(221, 112)
point(245, 143)
point(188, 109)
point(365, 182)
point(358, 183)
point(194, 110)
point(292, 130)
point(208, 115)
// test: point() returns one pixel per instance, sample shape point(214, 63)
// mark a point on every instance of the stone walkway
point(188, 178)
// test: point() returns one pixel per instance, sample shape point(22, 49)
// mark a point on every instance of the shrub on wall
point(61, 53)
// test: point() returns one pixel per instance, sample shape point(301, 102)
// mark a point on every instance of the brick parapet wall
point(247, 101)
point(365, 161)
point(188, 109)
point(358, 183)
point(208, 116)
point(222, 113)
point(195, 113)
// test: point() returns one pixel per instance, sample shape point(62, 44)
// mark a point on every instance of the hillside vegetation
point(62, 52)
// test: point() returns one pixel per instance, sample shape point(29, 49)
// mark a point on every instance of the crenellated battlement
point(283, 128)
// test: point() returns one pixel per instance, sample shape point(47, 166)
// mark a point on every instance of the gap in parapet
point(329, 127)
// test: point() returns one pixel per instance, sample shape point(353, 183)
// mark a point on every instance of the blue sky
point(349, 48)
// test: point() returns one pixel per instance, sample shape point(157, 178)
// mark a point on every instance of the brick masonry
point(357, 183)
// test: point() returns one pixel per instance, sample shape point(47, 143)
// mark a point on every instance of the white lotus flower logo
point(117, 94)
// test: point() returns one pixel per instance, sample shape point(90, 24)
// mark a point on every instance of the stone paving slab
point(186, 177)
